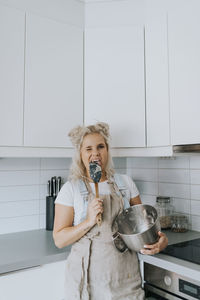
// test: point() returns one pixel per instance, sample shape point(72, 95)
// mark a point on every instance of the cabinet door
point(114, 82)
point(184, 66)
point(41, 283)
point(12, 26)
point(53, 82)
point(157, 86)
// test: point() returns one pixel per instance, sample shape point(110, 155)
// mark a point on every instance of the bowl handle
point(119, 243)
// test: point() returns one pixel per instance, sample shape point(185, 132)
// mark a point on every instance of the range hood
point(193, 148)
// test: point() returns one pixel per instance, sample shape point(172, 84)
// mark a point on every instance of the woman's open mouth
point(96, 161)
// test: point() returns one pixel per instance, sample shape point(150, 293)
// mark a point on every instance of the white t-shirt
point(69, 194)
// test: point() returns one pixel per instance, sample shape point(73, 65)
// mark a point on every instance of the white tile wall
point(177, 177)
point(23, 186)
point(23, 190)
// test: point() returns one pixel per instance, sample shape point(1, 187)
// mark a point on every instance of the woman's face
point(94, 149)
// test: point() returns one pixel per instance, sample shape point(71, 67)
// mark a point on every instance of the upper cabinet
point(53, 82)
point(114, 82)
point(157, 86)
point(12, 30)
point(143, 79)
point(184, 71)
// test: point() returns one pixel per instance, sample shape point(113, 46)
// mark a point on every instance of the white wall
point(23, 186)
point(177, 177)
point(67, 11)
point(23, 190)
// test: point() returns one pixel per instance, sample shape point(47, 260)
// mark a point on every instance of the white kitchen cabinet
point(114, 82)
point(157, 86)
point(53, 82)
point(184, 73)
point(12, 29)
point(41, 283)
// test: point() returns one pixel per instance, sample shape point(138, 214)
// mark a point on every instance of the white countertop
point(31, 248)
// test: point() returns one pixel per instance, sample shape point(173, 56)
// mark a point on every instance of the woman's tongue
point(96, 161)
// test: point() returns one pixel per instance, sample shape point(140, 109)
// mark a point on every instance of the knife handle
point(49, 190)
point(59, 183)
point(54, 186)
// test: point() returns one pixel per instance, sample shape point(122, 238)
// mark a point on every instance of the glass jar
point(179, 223)
point(165, 210)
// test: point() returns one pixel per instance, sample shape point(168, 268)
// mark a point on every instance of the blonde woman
point(95, 269)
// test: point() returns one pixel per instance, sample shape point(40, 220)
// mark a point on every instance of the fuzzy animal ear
point(104, 127)
point(75, 136)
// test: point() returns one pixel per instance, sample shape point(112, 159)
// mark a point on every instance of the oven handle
point(161, 293)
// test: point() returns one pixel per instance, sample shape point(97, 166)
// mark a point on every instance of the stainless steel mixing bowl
point(138, 225)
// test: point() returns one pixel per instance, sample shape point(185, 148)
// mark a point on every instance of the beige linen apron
point(95, 269)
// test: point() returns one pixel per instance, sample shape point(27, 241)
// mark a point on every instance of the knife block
point(50, 212)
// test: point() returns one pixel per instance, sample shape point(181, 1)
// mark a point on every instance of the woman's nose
point(95, 152)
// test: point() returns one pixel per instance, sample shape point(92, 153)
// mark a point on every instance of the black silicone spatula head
point(95, 171)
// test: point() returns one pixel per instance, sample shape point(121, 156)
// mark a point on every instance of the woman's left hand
point(157, 247)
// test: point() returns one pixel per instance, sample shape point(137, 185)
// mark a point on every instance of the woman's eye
point(101, 146)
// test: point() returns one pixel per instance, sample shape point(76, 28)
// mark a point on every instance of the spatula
point(95, 174)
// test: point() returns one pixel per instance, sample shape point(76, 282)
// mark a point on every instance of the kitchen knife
point(54, 186)
point(49, 188)
point(59, 184)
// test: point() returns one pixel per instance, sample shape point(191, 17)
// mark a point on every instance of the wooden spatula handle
point(99, 216)
point(99, 219)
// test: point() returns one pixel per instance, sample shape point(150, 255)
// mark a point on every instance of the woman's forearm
point(69, 235)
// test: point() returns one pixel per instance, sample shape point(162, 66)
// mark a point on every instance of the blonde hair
point(76, 135)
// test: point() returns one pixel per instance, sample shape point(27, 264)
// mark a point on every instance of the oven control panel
point(189, 288)
point(173, 284)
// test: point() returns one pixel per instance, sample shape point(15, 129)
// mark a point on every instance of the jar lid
point(162, 199)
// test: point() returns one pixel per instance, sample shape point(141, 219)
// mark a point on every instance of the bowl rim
point(135, 234)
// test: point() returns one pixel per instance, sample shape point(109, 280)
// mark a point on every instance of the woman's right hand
point(95, 207)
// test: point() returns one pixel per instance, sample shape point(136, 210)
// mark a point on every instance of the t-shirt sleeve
point(132, 186)
point(66, 195)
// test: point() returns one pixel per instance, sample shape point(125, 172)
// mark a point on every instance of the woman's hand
point(157, 247)
point(95, 207)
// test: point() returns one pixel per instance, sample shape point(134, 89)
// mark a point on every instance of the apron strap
point(82, 188)
point(119, 181)
point(123, 189)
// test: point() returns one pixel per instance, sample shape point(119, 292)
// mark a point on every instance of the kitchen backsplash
point(23, 190)
point(23, 186)
point(177, 177)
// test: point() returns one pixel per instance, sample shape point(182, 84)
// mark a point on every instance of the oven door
point(153, 293)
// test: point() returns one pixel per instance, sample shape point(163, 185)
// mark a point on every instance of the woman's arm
point(157, 247)
point(136, 200)
point(64, 233)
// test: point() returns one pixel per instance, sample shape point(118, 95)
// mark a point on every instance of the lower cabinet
point(44, 282)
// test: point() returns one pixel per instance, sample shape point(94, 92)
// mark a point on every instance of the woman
point(95, 269)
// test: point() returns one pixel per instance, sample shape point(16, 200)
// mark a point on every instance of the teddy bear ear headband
point(77, 134)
